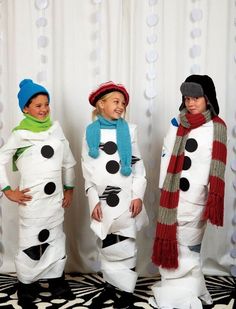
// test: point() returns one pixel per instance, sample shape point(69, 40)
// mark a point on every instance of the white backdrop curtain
point(151, 46)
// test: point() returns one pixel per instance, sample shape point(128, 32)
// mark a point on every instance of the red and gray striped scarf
point(165, 251)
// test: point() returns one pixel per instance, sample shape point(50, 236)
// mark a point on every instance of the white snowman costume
point(105, 184)
point(45, 166)
point(184, 293)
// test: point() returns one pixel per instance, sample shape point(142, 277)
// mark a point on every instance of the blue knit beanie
point(27, 90)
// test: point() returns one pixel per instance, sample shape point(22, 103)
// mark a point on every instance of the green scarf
point(32, 124)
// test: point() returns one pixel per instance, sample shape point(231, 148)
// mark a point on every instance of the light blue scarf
point(93, 136)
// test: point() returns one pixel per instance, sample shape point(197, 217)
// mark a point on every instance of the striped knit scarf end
point(214, 210)
point(165, 248)
point(164, 253)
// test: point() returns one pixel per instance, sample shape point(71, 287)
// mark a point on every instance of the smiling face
point(112, 106)
point(195, 105)
point(38, 107)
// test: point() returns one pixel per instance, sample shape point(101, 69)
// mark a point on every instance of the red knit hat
point(106, 88)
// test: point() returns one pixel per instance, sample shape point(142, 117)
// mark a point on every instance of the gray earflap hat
point(199, 86)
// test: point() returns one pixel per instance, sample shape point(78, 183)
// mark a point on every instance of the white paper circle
point(233, 237)
point(152, 20)
point(150, 92)
point(42, 41)
point(41, 22)
point(1, 141)
point(152, 73)
point(151, 56)
point(152, 38)
point(195, 68)
point(196, 32)
point(233, 253)
point(152, 2)
point(97, 17)
point(233, 165)
point(233, 271)
point(196, 15)
point(44, 59)
point(195, 51)
point(42, 76)
point(41, 4)
point(152, 269)
point(1, 107)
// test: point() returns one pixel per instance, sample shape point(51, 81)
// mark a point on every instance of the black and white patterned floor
point(85, 287)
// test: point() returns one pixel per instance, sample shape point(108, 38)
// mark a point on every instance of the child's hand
point(67, 200)
point(97, 213)
point(135, 207)
point(18, 196)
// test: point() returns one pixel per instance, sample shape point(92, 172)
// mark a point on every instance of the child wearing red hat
point(192, 192)
point(43, 157)
point(115, 184)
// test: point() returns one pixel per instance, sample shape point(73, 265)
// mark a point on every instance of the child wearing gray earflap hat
point(192, 193)
point(43, 157)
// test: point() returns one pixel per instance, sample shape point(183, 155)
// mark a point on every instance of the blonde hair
point(97, 111)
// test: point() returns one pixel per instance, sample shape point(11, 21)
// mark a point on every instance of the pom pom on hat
point(106, 88)
point(27, 90)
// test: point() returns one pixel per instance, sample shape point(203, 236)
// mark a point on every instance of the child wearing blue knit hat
point(115, 184)
point(43, 157)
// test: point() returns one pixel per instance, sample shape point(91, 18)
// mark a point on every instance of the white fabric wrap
point(182, 287)
point(45, 177)
point(117, 259)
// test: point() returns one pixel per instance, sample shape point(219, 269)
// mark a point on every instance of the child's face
point(39, 107)
point(195, 105)
point(113, 106)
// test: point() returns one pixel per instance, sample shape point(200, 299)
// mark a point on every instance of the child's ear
point(100, 104)
point(25, 110)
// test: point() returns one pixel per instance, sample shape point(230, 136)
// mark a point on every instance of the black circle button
point(187, 163)
point(43, 235)
point(184, 184)
point(47, 151)
point(112, 200)
point(191, 145)
point(110, 148)
point(112, 166)
point(49, 188)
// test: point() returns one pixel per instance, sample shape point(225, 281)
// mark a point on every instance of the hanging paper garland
point(151, 57)
point(42, 41)
point(96, 53)
point(196, 18)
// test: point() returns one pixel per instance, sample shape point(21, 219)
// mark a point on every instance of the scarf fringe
point(214, 210)
point(165, 253)
point(165, 249)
